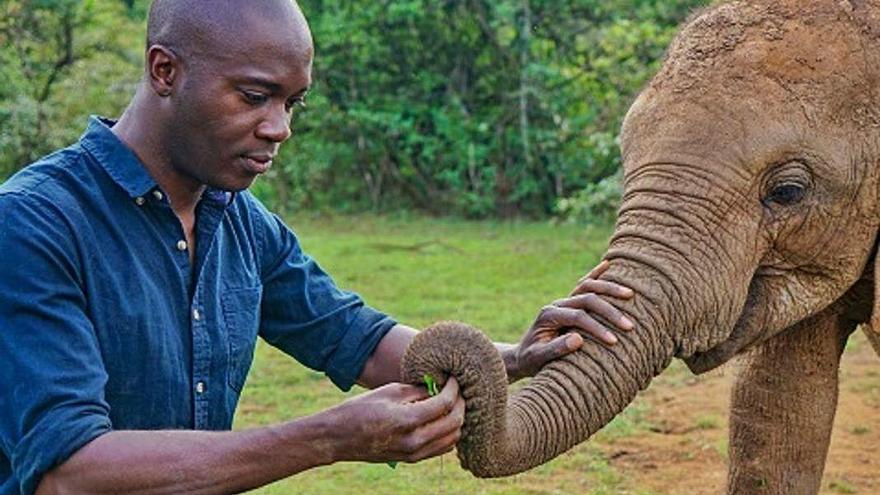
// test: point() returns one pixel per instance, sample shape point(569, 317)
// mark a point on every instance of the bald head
point(222, 79)
point(200, 29)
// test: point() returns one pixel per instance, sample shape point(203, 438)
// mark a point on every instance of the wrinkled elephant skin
point(748, 225)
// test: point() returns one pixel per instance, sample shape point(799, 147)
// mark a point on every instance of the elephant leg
point(873, 339)
point(782, 408)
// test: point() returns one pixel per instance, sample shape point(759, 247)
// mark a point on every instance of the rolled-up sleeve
point(51, 371)
point(306, 315)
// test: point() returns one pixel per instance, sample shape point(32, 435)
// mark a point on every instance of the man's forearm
point(194, 461)
point(383, 366)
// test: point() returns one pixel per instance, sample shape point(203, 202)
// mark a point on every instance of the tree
point(468, 107)
point(61, 59)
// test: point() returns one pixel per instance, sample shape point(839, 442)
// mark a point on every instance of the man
point(138, 272)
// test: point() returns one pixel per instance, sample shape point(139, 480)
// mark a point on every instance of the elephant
point(748, 225)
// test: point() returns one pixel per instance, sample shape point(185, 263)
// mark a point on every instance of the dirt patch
point(684, 451)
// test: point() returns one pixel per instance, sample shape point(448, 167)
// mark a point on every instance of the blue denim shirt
point(104, 324)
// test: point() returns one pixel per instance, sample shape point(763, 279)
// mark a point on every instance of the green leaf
point(431, 384)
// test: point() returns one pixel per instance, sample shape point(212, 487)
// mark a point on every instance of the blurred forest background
point(470, 108)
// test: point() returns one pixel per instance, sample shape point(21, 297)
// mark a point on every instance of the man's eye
point(254, 98)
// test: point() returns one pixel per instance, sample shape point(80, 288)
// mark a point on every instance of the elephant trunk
point(569, 400)
point(677, 312)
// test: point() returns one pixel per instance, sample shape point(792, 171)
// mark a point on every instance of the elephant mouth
point(702, 362)
point(747, 331)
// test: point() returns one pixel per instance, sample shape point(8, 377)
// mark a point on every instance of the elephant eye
point(786, 194)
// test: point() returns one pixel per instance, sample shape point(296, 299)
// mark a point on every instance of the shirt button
point(139, 200)
point(181, 245)
point(196, 315)
point(200, 388)
point(158, 195)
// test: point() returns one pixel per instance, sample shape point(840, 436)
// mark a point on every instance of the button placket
point(201, 360)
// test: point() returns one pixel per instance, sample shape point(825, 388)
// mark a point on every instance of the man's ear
point(163, 69)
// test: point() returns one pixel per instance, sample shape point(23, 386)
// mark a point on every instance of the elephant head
point(751, 167)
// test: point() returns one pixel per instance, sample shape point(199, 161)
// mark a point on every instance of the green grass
point(842, 486)
point(860, 430)
point(708, 422)
point(493, 275)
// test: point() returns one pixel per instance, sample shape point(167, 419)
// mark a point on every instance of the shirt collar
point(125, 167)
point(117, 159)
point(218, 196)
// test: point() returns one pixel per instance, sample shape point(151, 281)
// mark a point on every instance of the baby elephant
point(749, 220)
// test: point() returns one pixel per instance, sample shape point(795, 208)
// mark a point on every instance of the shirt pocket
point(241, 311)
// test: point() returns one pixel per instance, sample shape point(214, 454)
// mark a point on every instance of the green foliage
point(464, 107)
point(842, 486)
point(471, 107)
point(596, 203)
point(61, 60)
point(431, 384)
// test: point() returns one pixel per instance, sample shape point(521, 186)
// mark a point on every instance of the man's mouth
point(258, 163)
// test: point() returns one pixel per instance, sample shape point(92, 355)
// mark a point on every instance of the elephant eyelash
point(786, 194)
point(787, 183)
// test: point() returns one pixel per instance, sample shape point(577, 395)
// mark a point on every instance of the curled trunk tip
point(457, 349)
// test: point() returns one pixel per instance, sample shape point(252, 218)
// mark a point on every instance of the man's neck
point(143, 137)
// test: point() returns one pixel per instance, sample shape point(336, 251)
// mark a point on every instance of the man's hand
point(393, 423)
point(398, 422)
point(551, 335)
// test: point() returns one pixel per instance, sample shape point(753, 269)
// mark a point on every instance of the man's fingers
point(438, 435)
point(569, 343)
point(444, 425)
point(590, 285)
point(432, 408)
point(562, 317)
point(403, 392)
point(592, 327)
point(560, 346)
point(450, 390)
point(437, 447)
point(598, 270)
point(595, 304)
point(443, 434)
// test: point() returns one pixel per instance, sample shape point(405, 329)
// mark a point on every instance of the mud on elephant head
point(752, 171)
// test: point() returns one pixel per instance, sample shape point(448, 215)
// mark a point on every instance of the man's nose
point(275, 127)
